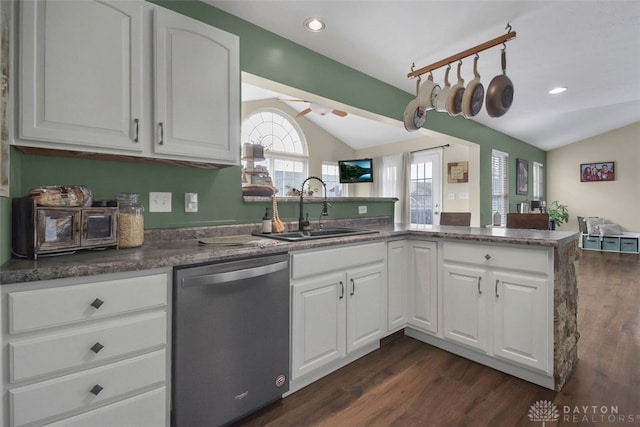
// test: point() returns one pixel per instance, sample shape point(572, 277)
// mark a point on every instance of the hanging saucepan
point(428, 93)
point(500, 92)
point(454, 101)
point(441, 97)
point(473, 94)
point(414, 116)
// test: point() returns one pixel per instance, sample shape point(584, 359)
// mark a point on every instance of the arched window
point(285, 150)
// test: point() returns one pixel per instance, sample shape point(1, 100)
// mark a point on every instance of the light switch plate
point(159, 201)
point(463, 195)
point(190, 202)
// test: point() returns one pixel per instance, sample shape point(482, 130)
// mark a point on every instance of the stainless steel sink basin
point(325, 233)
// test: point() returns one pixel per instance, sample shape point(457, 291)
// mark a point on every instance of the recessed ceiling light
point(314, 24)
point(557, 90)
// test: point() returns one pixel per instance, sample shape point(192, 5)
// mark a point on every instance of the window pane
point(331, 177)
point(421, 193)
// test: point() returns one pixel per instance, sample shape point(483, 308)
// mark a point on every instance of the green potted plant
point(558, 214)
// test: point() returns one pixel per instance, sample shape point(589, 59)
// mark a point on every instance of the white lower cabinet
point(340, 311)
point(499, 301)
point(87, 351)
point(413, 285)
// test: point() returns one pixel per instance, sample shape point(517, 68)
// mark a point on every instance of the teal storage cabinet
point(611, 244)
point(590, 242)
point(629, 244)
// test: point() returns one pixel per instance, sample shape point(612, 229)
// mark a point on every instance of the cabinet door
point(398, 284)
point(81, 73)
point(197, 89)
point(522, 319)
point(366, 306)
point(423, 286)
point(318, 323)
point(464, 311)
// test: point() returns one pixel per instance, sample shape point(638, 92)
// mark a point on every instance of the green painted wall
point(267, 55)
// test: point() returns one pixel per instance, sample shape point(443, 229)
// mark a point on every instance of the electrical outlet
point(159, 201)
point(190, 202)
point(362, 210)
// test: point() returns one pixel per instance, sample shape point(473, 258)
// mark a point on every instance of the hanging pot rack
point(464, 54)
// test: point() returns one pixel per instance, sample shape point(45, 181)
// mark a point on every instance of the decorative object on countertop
point(266, 222)
point(558, 214)
point(62, 195)
point(255, 176)
point(497, 219)
point(46, 230)
point(277, 224)
point(130, 221)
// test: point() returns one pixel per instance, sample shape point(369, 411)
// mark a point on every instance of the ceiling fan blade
point(303, 112)
point(340, 113)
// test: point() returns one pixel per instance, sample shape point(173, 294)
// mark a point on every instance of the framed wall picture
point(598, 171)
point(522, 177)
point(457, 172)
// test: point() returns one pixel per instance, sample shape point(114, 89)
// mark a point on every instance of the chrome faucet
point(302, 221)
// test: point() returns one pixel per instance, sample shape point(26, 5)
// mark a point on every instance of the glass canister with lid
point(130, 220)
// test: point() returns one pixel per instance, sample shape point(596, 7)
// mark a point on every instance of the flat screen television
point(353, 171)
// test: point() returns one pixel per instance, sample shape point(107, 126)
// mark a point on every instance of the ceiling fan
point(316, 108)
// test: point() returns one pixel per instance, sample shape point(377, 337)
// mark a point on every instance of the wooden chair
point(455, 218)
point(532, 221)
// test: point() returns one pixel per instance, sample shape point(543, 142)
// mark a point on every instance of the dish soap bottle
point(266, 222)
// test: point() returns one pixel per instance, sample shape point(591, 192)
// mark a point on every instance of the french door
point(425, 185)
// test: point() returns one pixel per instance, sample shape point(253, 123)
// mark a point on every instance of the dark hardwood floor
point(409, 383)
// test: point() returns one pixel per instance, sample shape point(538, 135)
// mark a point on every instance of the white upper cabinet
point(81, 73)
point(196, 88)
point(127, 78)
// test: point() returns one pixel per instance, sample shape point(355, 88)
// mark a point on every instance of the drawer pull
point(487, 257)
point(97, 303)
point(96, 389)
point(97, 347)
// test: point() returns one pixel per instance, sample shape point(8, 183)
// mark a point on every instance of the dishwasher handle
point(231, 276)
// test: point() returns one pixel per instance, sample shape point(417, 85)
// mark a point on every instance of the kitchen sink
point(323, 233)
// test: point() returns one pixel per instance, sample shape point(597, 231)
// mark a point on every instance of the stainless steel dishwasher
point(230, 339)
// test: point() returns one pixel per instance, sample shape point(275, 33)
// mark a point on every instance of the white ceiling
point(591, 47)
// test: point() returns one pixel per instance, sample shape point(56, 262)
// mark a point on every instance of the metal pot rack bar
point(459, 56)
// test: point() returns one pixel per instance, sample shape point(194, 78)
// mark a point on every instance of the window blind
point(500, 184)
point(538, 181)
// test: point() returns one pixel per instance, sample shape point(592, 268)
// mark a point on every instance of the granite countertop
point(174, 248)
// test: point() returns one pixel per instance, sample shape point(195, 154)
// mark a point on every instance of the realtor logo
point(544, 411)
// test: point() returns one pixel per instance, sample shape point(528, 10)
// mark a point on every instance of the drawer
point(516, 258)
point(629, 244)
point(72, 349)
point(73, 392)
point(611, 244)
point(338, 258)
point(144, 410)
point(42, 308)
point(591, 242)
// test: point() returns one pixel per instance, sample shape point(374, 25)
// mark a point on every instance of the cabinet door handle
point(353, 287)
point(96, 389)
point(97, 303)
point(137, 123)
point(479, 290)
point(341, 290)
point(161, 133)
point(497, 281)
point(97, 347)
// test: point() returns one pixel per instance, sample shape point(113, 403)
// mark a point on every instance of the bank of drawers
point(85, 352)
